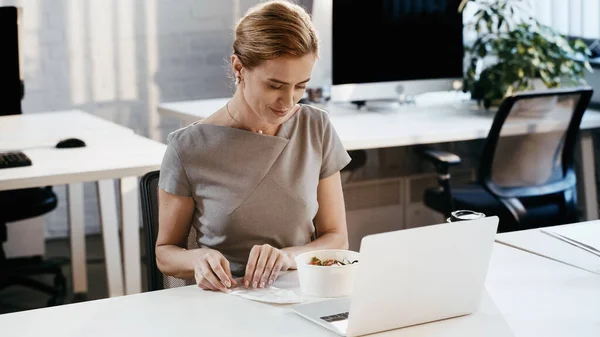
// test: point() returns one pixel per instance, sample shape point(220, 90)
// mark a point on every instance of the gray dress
point(249, 188)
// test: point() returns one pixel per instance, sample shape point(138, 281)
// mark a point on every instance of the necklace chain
point(235, 120)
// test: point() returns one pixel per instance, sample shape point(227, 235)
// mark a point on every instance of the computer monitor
point(382, 49)
point(10, 61)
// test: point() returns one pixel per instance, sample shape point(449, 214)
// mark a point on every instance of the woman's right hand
point(211, 270)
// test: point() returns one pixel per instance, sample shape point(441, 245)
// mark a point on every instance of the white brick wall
point(118, 59)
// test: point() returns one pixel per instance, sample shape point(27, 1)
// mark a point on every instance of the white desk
point(540, 297)
point(530, 295)
point(536, 242)
point(433, 120)
point(111, 152)
point(39, 129)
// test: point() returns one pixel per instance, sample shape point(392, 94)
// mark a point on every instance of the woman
point(259, 175)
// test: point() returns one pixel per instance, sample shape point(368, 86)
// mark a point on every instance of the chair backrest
point(539, 162)
point(149, 202)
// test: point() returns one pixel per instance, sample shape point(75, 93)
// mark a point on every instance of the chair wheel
point(55, 300)
point(60, 283)
point(79, 297)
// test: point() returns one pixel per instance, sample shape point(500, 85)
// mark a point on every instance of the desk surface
point(118, 156)
point(47, 128)
point(536, 242)
point(431, 121)
point(540, 297)
point(530, 295)
point(112, 151)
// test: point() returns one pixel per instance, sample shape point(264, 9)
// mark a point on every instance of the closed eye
point(276, 84)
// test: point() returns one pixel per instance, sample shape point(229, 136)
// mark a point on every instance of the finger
point(265, 252)
point(252, 260)
point(198, 275)
point(201, 281)
point(276, 269)
point(264, 280)
point(227, 269)
point(206, 285)
point(217, 269)
point(209, 275)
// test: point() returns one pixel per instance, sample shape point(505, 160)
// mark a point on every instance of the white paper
point(588, 233)
point(268, 295)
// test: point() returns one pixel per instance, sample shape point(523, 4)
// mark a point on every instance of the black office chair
point(16, 205)
point(528, 181)
point(149, 200)
point(20, 205)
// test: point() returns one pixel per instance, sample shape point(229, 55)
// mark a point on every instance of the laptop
point(412, 276)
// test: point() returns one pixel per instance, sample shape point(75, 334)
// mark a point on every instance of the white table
point(47, 128)
point(540, 297)
point(529, 296)
point(434, 119)
point(111, 152)
point(537, 242)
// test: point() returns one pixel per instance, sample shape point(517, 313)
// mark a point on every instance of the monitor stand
point(382, 104)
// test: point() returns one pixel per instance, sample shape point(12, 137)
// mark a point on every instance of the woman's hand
point(264, 264)
point(212, 272)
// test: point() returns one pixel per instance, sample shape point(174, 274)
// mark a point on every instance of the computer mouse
point(70, 143)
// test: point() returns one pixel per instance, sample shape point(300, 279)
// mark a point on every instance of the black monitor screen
point(396, 40)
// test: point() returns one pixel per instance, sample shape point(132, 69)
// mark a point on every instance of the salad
point(315, 261)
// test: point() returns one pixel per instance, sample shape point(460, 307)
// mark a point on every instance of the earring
point(237, 80)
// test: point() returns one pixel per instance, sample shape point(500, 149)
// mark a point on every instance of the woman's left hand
point(264, 264)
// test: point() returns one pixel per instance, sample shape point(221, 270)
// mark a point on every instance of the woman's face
point(274, 87)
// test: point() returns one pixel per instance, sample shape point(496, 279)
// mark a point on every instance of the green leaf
point(579, 44)
point(482, 50)
point(524, 49)
point(545, 76)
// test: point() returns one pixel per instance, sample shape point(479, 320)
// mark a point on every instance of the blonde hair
point(272, 29)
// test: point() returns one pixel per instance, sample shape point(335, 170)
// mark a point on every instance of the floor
point(16, 298)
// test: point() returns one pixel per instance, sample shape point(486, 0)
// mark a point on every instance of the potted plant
point(512, 51)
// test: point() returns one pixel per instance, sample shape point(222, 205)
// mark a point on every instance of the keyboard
point(334, 318)
point(14, 159)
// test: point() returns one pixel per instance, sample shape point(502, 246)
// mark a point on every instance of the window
point(579, 18)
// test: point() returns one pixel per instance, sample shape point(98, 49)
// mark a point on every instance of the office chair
point(149, 200)
point(16, 205)
point(528, 181)
point(19, 205)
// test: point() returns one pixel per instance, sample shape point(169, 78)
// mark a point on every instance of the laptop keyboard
point(334, 318)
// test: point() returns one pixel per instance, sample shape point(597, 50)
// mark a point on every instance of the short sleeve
point(173, 178)
point(335, 157)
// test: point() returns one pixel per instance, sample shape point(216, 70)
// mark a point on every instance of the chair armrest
point(442, 160)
